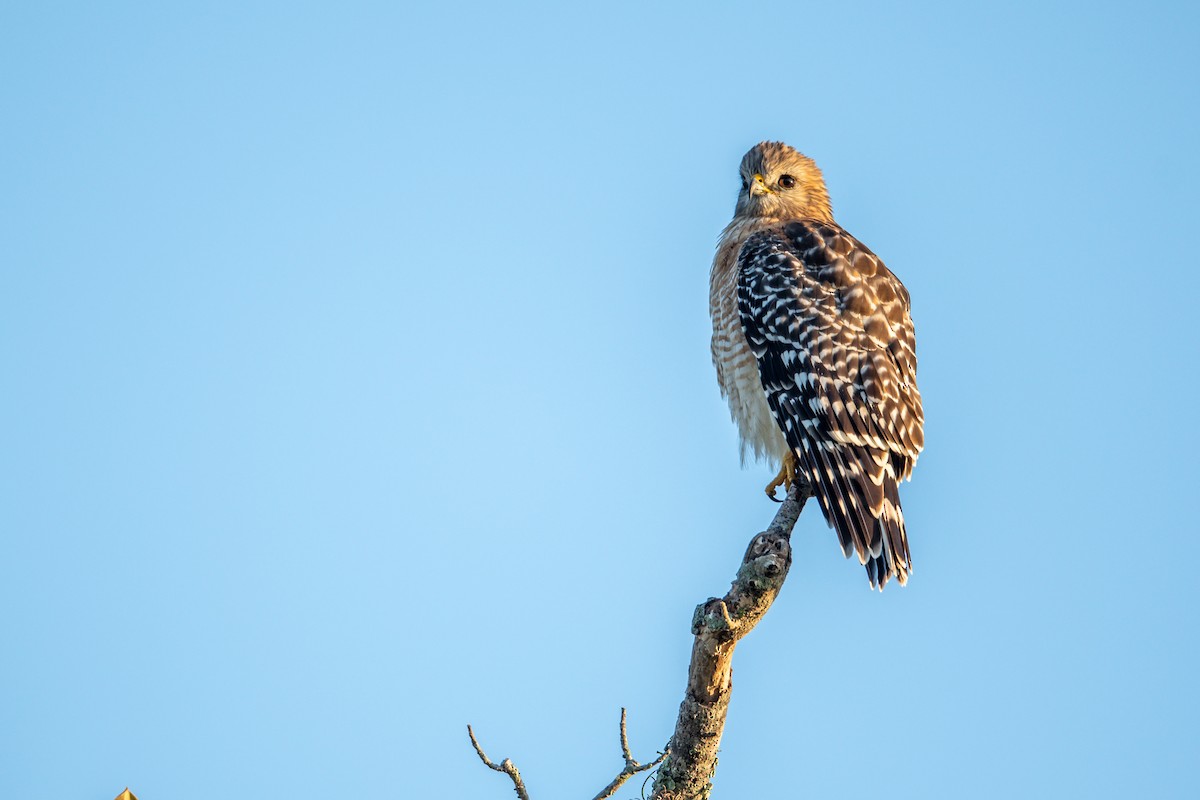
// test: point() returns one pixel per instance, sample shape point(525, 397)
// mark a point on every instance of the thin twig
point(625, 740)
point(632, 767)
point(506, 766)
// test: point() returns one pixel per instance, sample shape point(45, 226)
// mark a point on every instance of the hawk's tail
point(858, 490)
point(894, 558)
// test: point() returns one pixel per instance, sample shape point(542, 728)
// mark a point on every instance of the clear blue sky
point(356, 386)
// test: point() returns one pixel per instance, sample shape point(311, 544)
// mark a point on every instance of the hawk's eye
point(745, 185)
point(787, 181)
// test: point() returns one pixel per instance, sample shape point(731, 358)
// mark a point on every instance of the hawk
point(814, 350)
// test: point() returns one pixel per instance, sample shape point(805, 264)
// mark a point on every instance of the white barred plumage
point(814, 350)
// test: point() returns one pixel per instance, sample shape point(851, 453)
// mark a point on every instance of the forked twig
point(632, 767)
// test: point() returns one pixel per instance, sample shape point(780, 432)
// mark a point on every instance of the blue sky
point(356, 377)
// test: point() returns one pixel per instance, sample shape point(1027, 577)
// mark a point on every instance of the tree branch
point(718, 624)
point(506, 766)
point(687, 764)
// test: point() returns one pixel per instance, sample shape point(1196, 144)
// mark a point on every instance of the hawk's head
point(779, 182)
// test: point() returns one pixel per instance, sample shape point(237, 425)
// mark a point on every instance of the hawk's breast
point(737, 368)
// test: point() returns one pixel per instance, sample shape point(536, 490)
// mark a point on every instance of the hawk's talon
point(785, 478)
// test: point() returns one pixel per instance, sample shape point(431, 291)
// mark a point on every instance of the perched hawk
point(814, 350)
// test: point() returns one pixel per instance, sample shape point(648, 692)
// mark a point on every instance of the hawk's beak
point(759, 185)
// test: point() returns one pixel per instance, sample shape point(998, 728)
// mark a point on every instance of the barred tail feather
point(895, 560)
point(858, 492)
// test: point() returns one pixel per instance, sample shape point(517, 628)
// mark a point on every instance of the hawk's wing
point(830, 327)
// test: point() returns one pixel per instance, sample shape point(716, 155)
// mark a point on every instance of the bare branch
point(632, 767)
point(718, 624)
point(687, 764)
point(789, 512)
point(625, 740)
point(506, 766)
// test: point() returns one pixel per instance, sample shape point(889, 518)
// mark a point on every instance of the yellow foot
point(785, 478)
